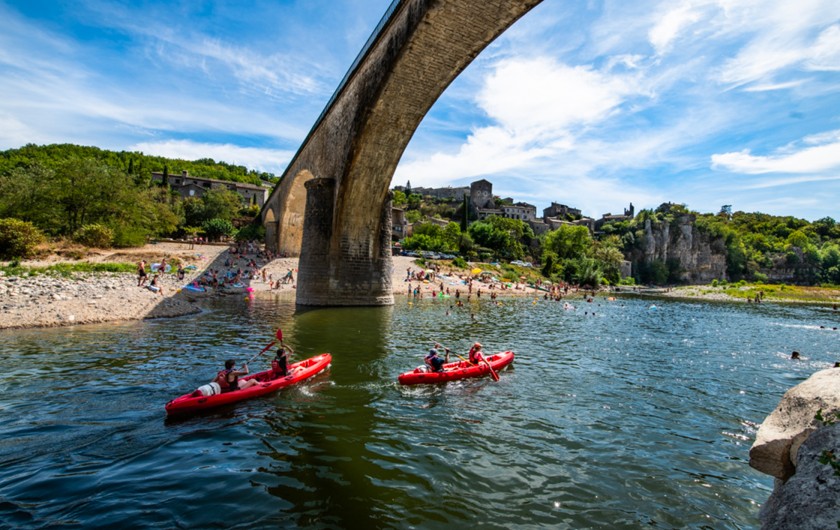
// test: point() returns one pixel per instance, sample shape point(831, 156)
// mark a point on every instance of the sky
point(592, 104)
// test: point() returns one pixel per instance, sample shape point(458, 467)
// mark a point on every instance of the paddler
point(228, 379)
point(475, 353)
point(434, 362)
point(280, 364)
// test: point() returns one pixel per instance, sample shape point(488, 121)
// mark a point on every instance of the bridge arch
point(416, 51)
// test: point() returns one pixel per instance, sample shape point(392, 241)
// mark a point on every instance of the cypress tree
point(465, 220)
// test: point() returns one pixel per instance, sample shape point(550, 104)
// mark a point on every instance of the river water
point(614, 415)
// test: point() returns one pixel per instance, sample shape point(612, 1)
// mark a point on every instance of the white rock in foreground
point(786, 428)
point(810, 500)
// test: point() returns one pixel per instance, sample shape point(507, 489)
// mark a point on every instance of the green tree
point(399, 198)
point(221, 204)
point(194, 211)
point(503, 236)
point(451, 237)
point(609, 258)
point(30, 193)
point(568, 241)
point(413, 201)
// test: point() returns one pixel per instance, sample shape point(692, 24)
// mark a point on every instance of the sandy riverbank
point(85, 298)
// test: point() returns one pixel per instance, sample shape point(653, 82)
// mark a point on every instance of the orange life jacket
point(224, 384)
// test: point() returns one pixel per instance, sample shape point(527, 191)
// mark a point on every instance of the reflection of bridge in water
point(332, 207)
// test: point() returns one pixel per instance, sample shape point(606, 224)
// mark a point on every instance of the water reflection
point(612, 416)
point(321, 469)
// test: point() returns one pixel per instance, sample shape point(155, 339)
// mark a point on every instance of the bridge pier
point(342, 271)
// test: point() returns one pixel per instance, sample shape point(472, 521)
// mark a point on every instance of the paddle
point(279, 336)
point(493, 373)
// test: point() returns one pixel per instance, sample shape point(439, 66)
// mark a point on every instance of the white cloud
point(261, 159)
point(782, 37)
point(12, 130)
point(538, 105)
point(543, 95)
point(669, 26)
point(776, 86)
point(821, 154)
point(825, 54)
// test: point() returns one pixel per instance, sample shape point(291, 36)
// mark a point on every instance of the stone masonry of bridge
point(332, 207)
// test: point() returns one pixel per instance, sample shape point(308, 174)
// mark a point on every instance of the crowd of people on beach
point(241, 265)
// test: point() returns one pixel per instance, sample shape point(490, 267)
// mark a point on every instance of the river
point(614, 415)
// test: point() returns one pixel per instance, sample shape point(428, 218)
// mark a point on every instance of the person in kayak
point(280, 364)
point(434, 362)
point(228, 379)
point(475, 353)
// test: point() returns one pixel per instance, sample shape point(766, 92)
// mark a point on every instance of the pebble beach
point(86, 298)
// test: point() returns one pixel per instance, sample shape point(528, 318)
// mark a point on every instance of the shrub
point(94, 235)
point(250, 211)
point(18, 239)
point(459, 262)
point(218, 228)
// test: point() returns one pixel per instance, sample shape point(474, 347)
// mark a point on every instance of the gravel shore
point(86, 298)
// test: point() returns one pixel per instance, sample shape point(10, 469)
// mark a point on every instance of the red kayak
point(457, 370)
point(198, 400)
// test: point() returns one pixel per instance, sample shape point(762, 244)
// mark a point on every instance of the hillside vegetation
point(758, 247)
point(104, 198)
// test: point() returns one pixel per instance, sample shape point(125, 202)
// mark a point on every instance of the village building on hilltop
point(483, 204)
point(189, 186)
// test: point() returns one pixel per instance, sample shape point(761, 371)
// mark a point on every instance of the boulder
point(786, 428)
point(809, 499)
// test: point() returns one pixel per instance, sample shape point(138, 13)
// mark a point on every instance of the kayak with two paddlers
point(197, 400)
point(229, 387)
point(457, 370)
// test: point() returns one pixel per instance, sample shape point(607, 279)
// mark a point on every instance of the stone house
point(520, 210)
point(190, 186)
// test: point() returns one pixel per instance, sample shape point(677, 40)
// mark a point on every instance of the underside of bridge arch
point(345, 253)
point(283, 217)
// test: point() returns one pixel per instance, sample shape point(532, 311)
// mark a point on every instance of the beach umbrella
point(476, 271)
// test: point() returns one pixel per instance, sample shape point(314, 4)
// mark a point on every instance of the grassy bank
point(765, 291)
point(65, 269)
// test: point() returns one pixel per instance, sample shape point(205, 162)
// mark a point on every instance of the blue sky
point(591, 104)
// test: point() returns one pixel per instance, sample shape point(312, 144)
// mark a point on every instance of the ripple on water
point(621, 419)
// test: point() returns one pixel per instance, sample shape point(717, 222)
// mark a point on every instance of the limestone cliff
point(696, 257)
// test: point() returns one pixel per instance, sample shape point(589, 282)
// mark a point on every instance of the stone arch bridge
point(332, 207)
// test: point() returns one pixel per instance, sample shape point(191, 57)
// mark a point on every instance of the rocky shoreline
point(802, 453)
point(88, 298)
point(45, 301)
